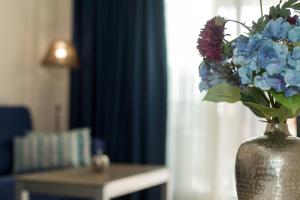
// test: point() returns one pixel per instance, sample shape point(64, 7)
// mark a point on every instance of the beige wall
point(27, 28)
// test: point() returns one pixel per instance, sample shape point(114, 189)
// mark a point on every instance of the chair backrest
point(14, 121)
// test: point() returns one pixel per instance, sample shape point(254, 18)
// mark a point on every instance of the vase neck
point(277, 129)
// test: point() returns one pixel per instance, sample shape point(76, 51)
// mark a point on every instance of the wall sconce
point(61, 53)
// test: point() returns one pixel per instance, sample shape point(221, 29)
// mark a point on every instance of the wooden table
point(117, 181)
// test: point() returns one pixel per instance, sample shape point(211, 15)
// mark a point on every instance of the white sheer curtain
point(203, 138)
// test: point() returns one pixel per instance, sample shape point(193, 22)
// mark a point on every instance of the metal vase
point(268, 167)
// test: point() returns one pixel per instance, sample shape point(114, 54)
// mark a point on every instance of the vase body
point(268, 167)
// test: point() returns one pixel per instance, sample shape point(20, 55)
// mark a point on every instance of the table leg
point(166, 191)
point(20, 193)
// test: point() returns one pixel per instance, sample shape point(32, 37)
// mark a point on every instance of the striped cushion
point(40, 151)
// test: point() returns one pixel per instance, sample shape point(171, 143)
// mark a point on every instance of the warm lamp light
point(61, 53)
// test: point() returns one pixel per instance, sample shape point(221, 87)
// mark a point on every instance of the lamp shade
point(61, 53)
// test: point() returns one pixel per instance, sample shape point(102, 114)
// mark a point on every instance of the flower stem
point(271, 100)
point(261, 8)
point(247, 27)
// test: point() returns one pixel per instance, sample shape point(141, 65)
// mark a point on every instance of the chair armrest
point(7, 187)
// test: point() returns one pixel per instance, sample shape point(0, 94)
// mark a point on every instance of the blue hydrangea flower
point(292, 77)
point(261, 83)
point(262, 60)
point(291, 91)
point(276, 82)
point(203, 73)
point(256, 41)
point(241, 42)
point(252, 64)
point(298, 22)
point(210, 76)
point(240, 50)
point(277, 29)
point(245, 74)
point(294, 34)
point(203, 86)
point(272, 58)
point(294, 59)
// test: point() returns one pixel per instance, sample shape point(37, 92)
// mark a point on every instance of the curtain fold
point(120, 88)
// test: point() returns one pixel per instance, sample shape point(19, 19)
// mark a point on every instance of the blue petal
point(272, 58)
point(291, 91)
point(294, 59)
point(203, 86)
point(252, 65)
point(277, 29)
point(276, 82)
point(240, 50)
point(245, 75)
point(294, 34)
point(261, 83)
point(296, 52)
point(203, 70)
point(256, 41)
point(274, 68)
point(292, 77)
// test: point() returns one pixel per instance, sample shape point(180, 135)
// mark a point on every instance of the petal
point(292, 77)
point(245, 75)
point(274, 68)
point(291, 91)
point(259, 82)
point(276, 82)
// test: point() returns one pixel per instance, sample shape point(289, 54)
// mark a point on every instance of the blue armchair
point(15, 121)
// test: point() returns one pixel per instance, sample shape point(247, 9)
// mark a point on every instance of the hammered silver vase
point(268, 167)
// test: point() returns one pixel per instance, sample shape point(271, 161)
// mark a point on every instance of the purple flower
point(211, 39)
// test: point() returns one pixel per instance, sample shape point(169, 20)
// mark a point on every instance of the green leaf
point(291, 103)
point(277, 8)
point(227, 49)
point(285, 114)
point(223, 92)
point(296, 6)
point(282, 113)
point(255, 110)
point(272, 12)
point(264, 111)
point(284, 13)
point(288, 3)
point(259, 25)
point(284, 10)
point(254, 95)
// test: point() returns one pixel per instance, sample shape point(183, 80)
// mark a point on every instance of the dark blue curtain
point(120, 89)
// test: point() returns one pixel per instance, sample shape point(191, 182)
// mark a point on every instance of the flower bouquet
point(260, 68)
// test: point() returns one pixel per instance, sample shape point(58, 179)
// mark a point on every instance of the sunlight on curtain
point(203, 138)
